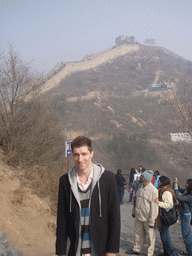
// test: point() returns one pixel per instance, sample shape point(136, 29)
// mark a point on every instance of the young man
point(88, 219)
point(145, 212)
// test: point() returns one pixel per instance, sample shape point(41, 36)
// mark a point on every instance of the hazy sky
point(49, 31)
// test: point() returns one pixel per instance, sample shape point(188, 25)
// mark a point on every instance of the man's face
point(82, 157)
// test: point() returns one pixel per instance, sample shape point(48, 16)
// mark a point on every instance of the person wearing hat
point(145, 212)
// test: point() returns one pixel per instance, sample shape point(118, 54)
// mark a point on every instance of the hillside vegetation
point(111, 98)
point(114, 95)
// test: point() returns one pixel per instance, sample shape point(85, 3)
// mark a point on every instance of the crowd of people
point(154, 198)
point(88, 216)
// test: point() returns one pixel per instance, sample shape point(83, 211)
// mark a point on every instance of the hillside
point(25, 217)
point(106, 98)
point(88, 64)
point(114, 95)
point(108, 95)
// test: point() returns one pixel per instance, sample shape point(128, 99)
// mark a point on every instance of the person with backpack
point(185, 200)
point(166, 201)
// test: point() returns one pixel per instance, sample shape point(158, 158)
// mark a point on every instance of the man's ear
point(92, 153)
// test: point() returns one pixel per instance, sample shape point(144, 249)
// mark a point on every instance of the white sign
point(181, 136)
point(68, 150)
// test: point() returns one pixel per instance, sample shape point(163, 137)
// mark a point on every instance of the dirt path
point(127, 232)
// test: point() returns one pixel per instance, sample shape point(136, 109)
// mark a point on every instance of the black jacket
point(120, 180)
point(105, 226)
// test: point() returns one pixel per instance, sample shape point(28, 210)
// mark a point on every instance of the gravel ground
point(127, 232)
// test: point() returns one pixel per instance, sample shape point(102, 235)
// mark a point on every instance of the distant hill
point(109, 94)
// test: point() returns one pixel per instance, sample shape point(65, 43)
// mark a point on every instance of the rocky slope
point(24, 217)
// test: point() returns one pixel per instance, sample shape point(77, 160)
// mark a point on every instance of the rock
point(5, 248)
point(14, 252)
point(3, 237)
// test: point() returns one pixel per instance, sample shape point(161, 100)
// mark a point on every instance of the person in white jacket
point(166, 201)
point(145, 213)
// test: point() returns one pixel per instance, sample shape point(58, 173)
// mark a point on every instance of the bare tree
point(182, 109)
point(183, 104)
point(17, 81)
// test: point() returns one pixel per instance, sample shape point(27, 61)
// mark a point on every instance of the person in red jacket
point(88, 218)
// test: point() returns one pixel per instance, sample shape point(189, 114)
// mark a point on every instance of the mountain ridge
point(87, 64)
point(103, 100)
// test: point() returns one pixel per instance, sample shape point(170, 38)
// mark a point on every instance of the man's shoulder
point(152, 188)
point(64, 177)
point(107, 175)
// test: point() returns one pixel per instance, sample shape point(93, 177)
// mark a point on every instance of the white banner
point(68, 151)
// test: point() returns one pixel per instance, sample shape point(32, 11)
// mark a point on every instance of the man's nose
point(80, 158)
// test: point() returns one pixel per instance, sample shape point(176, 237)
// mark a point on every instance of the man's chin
point(80, 168)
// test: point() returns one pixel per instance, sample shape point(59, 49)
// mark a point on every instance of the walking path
point(127, 232)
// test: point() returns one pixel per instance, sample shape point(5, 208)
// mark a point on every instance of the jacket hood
point(98, 170)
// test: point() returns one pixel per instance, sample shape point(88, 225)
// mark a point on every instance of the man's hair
point(81, 141)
